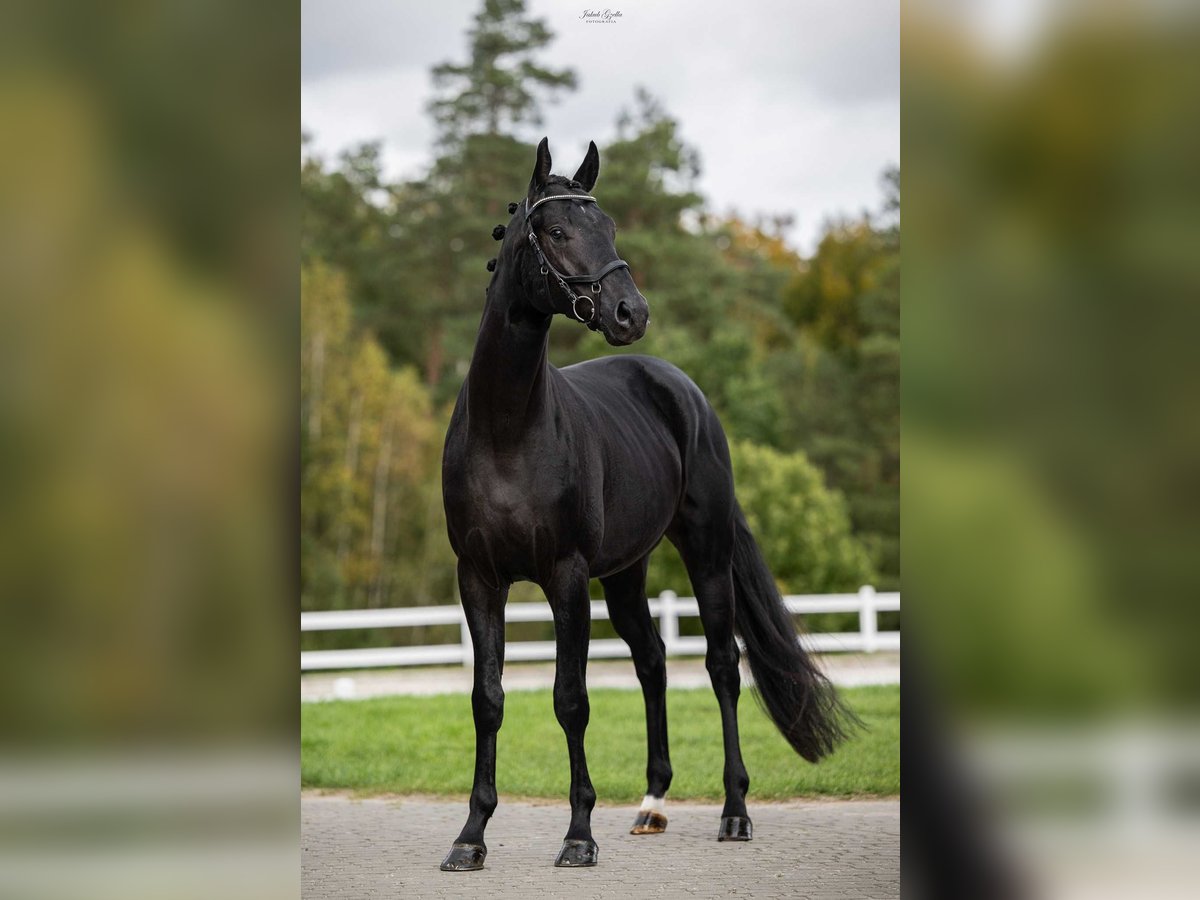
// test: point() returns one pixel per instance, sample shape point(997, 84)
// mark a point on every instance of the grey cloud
point(345, 36)
point(812, 86)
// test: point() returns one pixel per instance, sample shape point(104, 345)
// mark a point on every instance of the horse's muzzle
point(625, 322)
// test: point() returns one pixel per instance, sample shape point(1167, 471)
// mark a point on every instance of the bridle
point(565, 281)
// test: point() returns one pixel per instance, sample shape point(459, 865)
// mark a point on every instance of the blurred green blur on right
point(1051, 288)
point(1050, 440)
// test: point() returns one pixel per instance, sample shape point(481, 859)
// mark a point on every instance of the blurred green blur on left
point(147, 320)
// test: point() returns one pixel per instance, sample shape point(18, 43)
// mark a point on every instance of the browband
point(584, 197)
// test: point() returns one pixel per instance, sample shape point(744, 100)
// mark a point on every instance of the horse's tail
point(789, 686)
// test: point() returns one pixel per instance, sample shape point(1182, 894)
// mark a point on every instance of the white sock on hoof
point(654, 804)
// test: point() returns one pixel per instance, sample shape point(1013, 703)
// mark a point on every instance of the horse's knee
point(571, 707)
point(652, 670)
point(487, 703)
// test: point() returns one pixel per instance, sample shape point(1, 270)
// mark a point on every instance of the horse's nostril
point(623, 315)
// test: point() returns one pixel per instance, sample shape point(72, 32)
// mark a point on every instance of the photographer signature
point(606, 17)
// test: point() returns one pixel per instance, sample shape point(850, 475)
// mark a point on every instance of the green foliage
point(649, 173)
point(371, 527)
point(824, 297)
point(1028, 638)
point(343, 225)
point(427, 744)
point(843, 384)
point(495, 87)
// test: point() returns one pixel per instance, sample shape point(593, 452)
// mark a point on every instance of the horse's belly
point(635, 518)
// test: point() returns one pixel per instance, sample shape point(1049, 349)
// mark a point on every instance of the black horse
point(560, 476)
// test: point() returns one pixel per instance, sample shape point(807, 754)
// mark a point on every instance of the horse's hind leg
point(705, 541)
point(630, 615)
point(484, 610)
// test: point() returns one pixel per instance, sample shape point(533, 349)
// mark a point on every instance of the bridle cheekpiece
point(565, 281)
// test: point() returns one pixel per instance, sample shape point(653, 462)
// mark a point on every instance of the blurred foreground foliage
point(1051, 278)
point(144, 270)
point(1050, 440)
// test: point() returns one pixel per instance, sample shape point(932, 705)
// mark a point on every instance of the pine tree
point(483, 165)
point(494, 91)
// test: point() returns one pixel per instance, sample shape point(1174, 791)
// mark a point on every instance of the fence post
point(868, 622)
point(468, 648)
point(668, 628)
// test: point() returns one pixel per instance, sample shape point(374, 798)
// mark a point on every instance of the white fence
point(667, 608)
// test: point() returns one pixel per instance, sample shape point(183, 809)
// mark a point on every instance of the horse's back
point(649, 393)
point(614, 385)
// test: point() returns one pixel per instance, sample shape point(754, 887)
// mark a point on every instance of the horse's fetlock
point(484, 801)
point(584, 797)
point(738, 782)
point(658, 778)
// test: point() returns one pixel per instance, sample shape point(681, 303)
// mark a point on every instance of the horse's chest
point(516, 523)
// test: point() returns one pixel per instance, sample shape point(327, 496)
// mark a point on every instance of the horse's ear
point(541, 169)
point(589, 169)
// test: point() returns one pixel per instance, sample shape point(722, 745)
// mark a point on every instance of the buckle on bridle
point(575, 308)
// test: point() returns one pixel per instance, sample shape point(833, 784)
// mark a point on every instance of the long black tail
point(794, 692)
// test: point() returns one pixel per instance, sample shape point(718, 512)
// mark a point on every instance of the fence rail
point(667, 608)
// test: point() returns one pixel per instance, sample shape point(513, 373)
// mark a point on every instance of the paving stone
point(391, 848)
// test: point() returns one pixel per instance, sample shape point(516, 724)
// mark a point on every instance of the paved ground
point(845, 669)
point(357, 849)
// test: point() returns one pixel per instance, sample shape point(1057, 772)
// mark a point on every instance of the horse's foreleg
point(484, 610)
point(567, 591)
point(630, 615)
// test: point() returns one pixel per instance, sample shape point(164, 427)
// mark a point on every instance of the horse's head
point(575, 267)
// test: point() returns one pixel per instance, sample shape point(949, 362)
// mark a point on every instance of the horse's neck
point(508, 385)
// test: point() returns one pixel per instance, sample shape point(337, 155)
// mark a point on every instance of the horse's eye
point(557, 233)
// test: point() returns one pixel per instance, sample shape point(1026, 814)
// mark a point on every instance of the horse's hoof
point(735, 828)
point(649, 822)
point(577, 854)
point(464, 858)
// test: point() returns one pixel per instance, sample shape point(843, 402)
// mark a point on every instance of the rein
point(565, 281)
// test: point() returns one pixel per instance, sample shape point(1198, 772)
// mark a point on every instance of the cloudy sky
point(794, 105)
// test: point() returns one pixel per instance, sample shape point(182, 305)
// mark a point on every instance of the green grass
point(426, 745)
